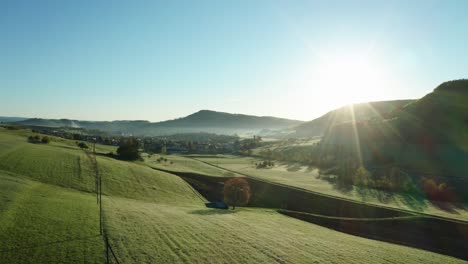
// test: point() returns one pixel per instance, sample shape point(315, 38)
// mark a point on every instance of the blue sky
point(157, 60)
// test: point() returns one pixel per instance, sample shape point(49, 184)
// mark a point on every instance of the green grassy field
point(183, 164)
point(48, 214)
point(157, 233)
point(306, 178)
point(43, 223)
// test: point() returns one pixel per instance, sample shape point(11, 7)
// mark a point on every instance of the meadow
point(48, 214)
point(183, 164)
point(43, 223)
point(307, 178)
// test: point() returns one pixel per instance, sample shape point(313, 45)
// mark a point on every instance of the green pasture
point(48, 214)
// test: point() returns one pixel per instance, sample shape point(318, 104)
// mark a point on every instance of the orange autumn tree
point(236, 192)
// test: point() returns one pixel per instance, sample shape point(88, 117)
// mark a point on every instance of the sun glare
point(349, 78)
point(335, 79)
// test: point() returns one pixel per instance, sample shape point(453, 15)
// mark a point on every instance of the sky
point(158, 60)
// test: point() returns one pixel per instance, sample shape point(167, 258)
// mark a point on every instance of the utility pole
point(107, 248)
point(94, 146)
point(100, 205)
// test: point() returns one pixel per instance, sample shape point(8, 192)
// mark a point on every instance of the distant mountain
point(207, 118)
point(357, 112)
point(112, 127)
point(201, 121)
point(7, 119)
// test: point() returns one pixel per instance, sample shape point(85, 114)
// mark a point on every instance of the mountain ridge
point(200, 121)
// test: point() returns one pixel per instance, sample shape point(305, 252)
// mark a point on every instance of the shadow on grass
point(415, 199)
point(310, 168)
point(213, 211)
point(293, 167)
point(449, 207)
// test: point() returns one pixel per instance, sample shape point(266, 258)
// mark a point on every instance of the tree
point(82, 145)
point(362, 177)
point(236, 192)
point(45, 139)
point(128, 149)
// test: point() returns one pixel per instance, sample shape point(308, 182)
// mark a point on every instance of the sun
point(349, 78)
point(339, 79)
point(329, 80)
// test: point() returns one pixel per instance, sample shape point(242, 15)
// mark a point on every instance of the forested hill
point(429, 135)
point(357, 112)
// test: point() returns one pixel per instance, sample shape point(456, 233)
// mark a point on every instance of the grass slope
point(43, 223)
point(306, 178)
point(184, 164)
point(157, 233)
point(151, 217)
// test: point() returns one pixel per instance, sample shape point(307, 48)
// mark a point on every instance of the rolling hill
point(438, 119)
point(357, 112)
point(426, 138)
point(48, 214)
point(201, 121)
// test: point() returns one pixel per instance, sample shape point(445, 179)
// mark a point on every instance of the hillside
point(358, 112)
point(438, 120)
point(48, 214)
point(425, 139)
point(201, 121)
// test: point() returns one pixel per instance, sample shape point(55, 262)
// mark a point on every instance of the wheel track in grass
point(247, 238)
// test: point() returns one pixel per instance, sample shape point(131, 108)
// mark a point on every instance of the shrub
point(82, 145)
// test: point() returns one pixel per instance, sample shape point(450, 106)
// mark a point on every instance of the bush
point(37, 139)
point(82, 145)
point(264, 164)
